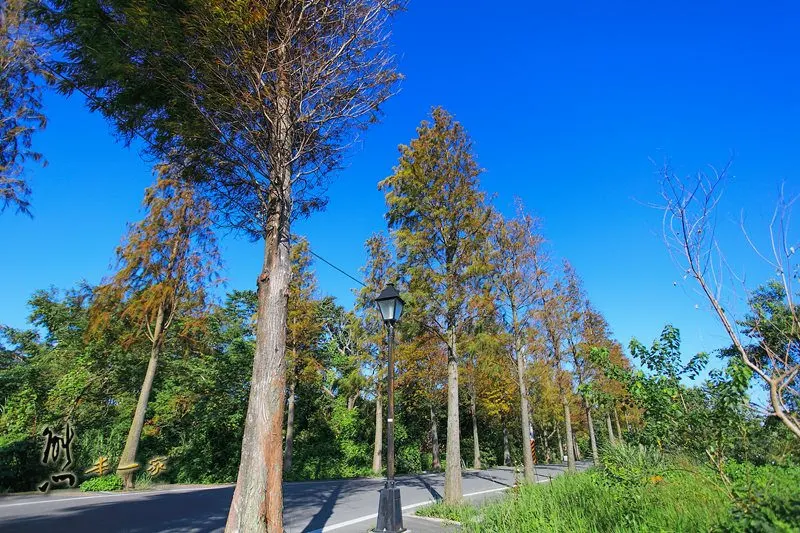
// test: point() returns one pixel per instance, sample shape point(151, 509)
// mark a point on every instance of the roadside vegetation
point(675, 494)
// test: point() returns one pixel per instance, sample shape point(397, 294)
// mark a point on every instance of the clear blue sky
point(566, 103)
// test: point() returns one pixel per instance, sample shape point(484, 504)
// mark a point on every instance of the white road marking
point(107, 495)
point(354, 521)
point(340, 525)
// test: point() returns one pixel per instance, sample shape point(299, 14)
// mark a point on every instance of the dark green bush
point(20, 466)
point(409, 459)
point(104, 483)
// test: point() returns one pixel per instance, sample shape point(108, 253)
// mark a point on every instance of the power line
point(337, 268)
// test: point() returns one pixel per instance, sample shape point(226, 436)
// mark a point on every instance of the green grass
point(642, 490)
point(589, 502)
point(457, 513)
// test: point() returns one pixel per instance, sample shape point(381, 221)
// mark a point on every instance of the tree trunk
point(546, 447)
point(610, 428)
point(437, 464)
point(527, 453)
point(351, 402)
point(570, 440)
point(619, 428)
point(592, 437)
point(452, 476)
point(476, 449)
point(506, 451)
point(578, 455)
point(257, 504)
point(560, 448)
point(287, 452)
point(378, 448)
point(128, 457)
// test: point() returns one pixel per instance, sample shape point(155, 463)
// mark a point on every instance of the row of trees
point(250, 106)
point(254, 103)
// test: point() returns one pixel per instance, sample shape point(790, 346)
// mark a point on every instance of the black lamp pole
point(390, 414)
point(390, 512)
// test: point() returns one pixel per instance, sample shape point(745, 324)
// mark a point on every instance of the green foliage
point(21, 469)
point(332, 441)
point(409, 459)
point(195, 417)
point(103, 483)
point(766, 499)
point(633, 465)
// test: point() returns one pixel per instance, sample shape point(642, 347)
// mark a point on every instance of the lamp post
point(390, 514)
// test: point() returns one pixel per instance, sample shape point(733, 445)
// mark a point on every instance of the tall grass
point(589, 503)
point(642, 490)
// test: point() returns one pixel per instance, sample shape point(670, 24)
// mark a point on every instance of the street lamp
point(390, 513)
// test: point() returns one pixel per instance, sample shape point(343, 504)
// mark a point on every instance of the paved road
point(346, 506)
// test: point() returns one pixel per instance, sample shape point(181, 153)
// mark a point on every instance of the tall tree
point(517, 244)
point(303, 330)
point(21, 75)
point(440, 221)
point(553, 321)
point(166, 262)
point(579, 325)
point(259, 99)
point(379, 271)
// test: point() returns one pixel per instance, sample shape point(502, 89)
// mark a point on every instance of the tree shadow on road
point(325, 512)
point(487, 477)
point(205, 510)
point(433, 491)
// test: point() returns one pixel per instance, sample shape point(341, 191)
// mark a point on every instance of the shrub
point(766, 498)
point(22, 470)
point(409, 459)
point(633, 465)
point(104, 483)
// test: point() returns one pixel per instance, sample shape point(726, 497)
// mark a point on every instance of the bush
point(766, 498)
point(633, 465)
point(409, 459)
point(104, 483)
point(21, 470)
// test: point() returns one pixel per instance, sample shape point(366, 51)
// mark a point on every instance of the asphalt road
point(346, 506)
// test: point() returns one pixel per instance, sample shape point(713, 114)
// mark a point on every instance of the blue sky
point(566, 102)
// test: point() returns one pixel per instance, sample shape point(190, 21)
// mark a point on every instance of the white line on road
point(109, 495)
point(354, 521)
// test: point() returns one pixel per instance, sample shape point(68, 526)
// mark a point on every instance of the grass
point(590, 502)
point(642, 490)
point(457, 513)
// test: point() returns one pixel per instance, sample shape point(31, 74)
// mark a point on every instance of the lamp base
point(390, 512)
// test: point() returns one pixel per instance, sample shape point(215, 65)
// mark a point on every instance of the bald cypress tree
point(440, 220)
point(259, 102)
point(165, 262)
point(517, 245)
